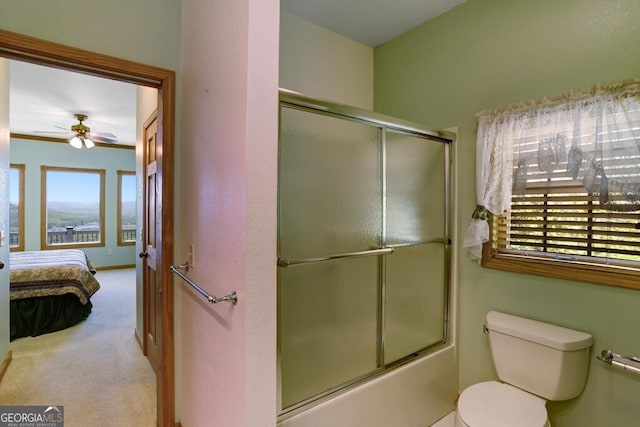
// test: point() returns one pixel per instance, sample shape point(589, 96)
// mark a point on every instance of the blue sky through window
point(128, 190)
point(14, 186)
point(73, 187)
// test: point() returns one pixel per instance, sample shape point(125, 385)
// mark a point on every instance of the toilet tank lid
point(539, 332)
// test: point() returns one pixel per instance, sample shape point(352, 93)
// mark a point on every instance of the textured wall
point(226, 354)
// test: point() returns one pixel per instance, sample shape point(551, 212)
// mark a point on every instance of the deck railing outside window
point(74, 236)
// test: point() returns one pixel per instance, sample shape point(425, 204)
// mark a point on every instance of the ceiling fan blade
point(51, 132)
point(106, 137)
point(55, 132)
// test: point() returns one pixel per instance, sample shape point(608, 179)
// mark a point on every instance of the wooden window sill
point(619, 276)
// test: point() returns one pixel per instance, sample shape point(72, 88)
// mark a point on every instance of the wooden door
point(152, 279)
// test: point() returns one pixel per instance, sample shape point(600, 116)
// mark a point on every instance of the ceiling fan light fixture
point(76, 142)
point(81, 131)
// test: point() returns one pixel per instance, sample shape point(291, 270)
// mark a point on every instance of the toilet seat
point(494, 404)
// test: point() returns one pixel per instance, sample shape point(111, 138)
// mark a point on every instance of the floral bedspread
point(54, 272)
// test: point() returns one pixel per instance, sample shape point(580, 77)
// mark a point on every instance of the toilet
point(536, 362)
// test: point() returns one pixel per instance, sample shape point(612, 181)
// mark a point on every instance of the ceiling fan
point(81, 135)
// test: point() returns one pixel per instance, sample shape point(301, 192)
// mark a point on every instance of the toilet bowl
point(536, 362)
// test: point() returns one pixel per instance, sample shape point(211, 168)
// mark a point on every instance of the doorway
point(42, 52)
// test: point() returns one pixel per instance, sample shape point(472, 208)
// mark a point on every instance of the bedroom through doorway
point(42, 103)
point(17, 47)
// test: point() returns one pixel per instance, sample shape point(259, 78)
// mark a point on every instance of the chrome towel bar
point(232, 297)
point(283, 262)
point(628, 363)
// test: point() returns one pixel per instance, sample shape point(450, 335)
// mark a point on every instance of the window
point(16, 207)
point(126, 208)
point(72, 207)
point(562, 177)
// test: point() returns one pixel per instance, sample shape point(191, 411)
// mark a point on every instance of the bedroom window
point(126, 208)
point(16, 207)
point(560, 187)
point(72, 207)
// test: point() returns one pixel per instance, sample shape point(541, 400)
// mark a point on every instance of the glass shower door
point(354, 185)
point(329, 203)
point(415, 274)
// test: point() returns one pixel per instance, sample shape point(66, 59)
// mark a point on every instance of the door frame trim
point(42, 52)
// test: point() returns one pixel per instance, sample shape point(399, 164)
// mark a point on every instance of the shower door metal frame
point(294, 100)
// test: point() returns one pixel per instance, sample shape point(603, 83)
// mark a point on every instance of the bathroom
point(481, 54)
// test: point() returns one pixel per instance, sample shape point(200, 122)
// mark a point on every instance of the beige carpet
point(95, 369)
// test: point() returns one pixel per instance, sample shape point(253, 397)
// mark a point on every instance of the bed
point(49, 290)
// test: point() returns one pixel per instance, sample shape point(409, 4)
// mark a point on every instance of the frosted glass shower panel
point(329, 186)
point(415, 189)
point(415, 300)
point(328, 325)
point(362, 247)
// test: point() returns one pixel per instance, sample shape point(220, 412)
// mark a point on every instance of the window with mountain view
point(72, 207)
point(126, 208)
point(16, 207)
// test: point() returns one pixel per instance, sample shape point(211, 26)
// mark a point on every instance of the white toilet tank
point(547, 360)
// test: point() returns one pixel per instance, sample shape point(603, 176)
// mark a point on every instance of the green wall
point(34, 154)
point(489, 53)
point(145, 31)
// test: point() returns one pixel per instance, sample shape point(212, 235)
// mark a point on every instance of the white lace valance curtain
point(591, 137)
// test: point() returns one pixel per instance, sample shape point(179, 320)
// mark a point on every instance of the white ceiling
point(43, 100)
